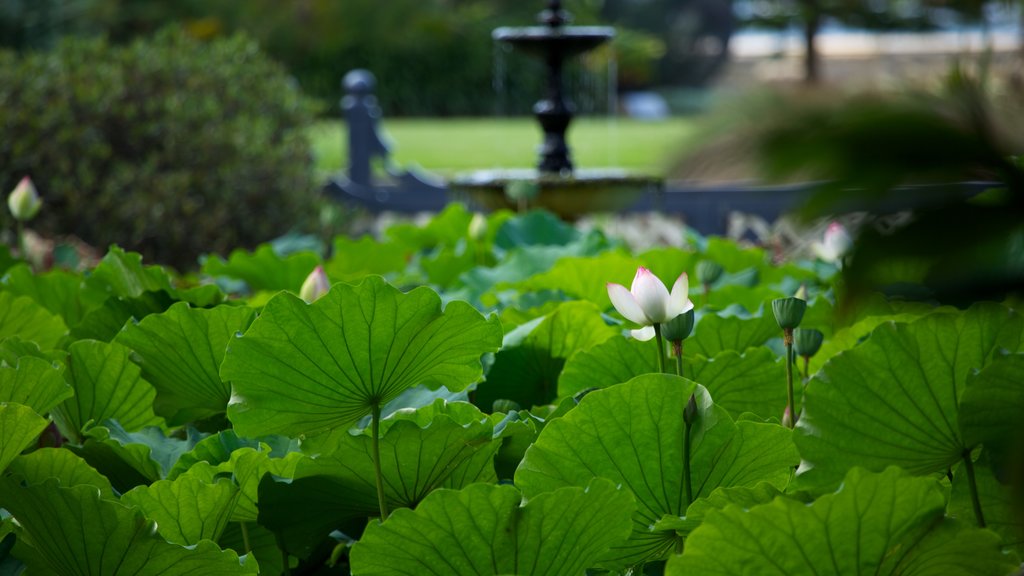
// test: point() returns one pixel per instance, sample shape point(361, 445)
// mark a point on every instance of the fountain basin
point(568, 41)
point(570, 196)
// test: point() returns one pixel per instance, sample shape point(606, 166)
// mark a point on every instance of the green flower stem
point(19, 230)
point(661, 348)
point(807, 369)
point(375, 447)
point(687, 483)
point(677, 351)
point(973, 483)
point(788, 340)
point(245, 537)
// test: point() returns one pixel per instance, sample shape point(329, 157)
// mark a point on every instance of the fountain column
point(554, 112)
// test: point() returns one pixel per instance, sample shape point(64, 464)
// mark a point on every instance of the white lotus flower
point(316, 285)
point(648, 302)
point(835, 244)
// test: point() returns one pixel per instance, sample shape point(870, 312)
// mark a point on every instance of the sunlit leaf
point(122, 274)
point(21, 316)
point(714, 334)
point(76, 531)
point(306, 368)
point(35, 383)
point(632, 434)
point(186, 509)
point(130, 459)
point(485, 529)
point(180, 352)
point(19, 426)
point(264, 269)
point(61, 292)
point(68, 468)
point(107, 386)
point(886, 524)
point(893, 400)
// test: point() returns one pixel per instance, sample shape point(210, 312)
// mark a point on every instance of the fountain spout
point(554, 42)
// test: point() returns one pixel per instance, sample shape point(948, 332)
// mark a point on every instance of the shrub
point(169, 146)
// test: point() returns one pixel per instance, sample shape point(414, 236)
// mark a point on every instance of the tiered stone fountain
point(555, 184)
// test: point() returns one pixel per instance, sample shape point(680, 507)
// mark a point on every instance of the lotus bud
point(316, 285)
point(708, 272)
point(478, 227)
point(678, 328)
point(24, 201)
point(807, 341)
point(787, 418)
point(801, 292)
point(789, 312)
point(504, 405)
point(690, 412)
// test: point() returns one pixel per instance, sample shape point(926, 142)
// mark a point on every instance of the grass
point(448, 146)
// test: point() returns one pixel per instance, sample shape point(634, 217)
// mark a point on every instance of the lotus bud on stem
point(708, 272)
point(788, 313)
point(806, 343)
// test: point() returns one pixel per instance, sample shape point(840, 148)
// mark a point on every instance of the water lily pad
point(180, 352)
point(23, 317)
point(308, 368)
point(263, 269)
point(352, 260)
point(105, 322)
point(714, 333)
point(61, 292)
point(887, 523)
point(991, 409)
point(486, 529)
point(68, 468)
point(122, 274)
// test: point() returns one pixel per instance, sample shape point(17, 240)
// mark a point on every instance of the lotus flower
point(648, 302)
point(835, 244)
point(316, 285)
point(24, 201)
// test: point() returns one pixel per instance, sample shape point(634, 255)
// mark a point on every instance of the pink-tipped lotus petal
point(679, 299)
point(644, 334)
point(316, 285)
point(624, 302)
point(651, 295)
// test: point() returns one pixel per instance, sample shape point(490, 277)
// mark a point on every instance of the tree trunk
point(812, 59)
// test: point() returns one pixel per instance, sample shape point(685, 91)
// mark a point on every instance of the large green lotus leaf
point(308, 368)
point(180, 352)
point(14, 348)
point(611, 362)
point(105, 322)
point(186, 509)
point(217, 448)
point(445, 445)
point(122, 274)
point(107, 386)
point(893, 399)
point(486, 529)
point(632, 433)
point(264, 269)
point(714, 334)
point(130, 459)
point(528, 372)
point(255, 540)
point(586, 278)
point(19, 427)
point(743, 496)
point(61, 292)
point(35, 383)
point(754, 381)
point(535, 228)
point(991, 409)
point(447, 227)
point(854, 334)
point(749, 298)
point(352, 260)
point(880, 524)
point(247, 466)
point(64, 465)
point(76, 531)
point(997, 504)
point(23, 317)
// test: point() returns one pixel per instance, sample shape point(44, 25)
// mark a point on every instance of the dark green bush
point(169, 146)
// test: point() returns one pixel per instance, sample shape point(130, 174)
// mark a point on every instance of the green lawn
point(447, 146)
